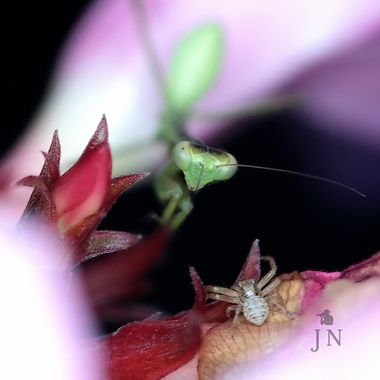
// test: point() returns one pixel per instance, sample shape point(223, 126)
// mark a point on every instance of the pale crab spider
point(250, 298)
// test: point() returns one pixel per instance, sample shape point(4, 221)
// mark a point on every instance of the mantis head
point(202, 165)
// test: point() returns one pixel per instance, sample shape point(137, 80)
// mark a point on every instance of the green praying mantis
point(201, 166)
point(194, 67)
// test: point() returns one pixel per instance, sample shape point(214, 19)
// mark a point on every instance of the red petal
point(82, 190)
point(121, 184)
point(150, 350)
point(102, 242)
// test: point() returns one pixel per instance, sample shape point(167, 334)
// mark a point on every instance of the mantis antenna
point(203, 165)
point(300, 174)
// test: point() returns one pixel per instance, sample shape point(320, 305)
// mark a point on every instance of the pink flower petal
point(45, 325)
point(341, 92)
point(103, 68)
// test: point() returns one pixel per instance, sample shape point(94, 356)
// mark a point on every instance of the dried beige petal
point(227, 344)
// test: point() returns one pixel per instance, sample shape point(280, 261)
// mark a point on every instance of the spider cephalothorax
point(249, 297)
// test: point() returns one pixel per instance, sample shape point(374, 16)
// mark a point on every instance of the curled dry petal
point(366, 269)
point(149, 350)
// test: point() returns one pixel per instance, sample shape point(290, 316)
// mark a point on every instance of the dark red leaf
point(38, 204)
point(120, 313)
point(34, 181)
point(116, 295)
point(77, 236)
point(119, 185)
point(100, 137)
point(211, 312)
point(54, 154)
point(149, 350)
point(52, 168)
point(111, 277)
point(102, 242)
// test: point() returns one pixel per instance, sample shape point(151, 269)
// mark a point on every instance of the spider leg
point(276, 282)
point(221, 297)
point(220, 290)
point(237, 309)
point(270, 274)
point(277, 301)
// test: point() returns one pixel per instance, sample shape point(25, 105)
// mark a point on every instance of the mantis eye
point(227, 169)
point(182, 155)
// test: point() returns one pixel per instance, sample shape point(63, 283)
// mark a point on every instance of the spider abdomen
point(255, 310)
